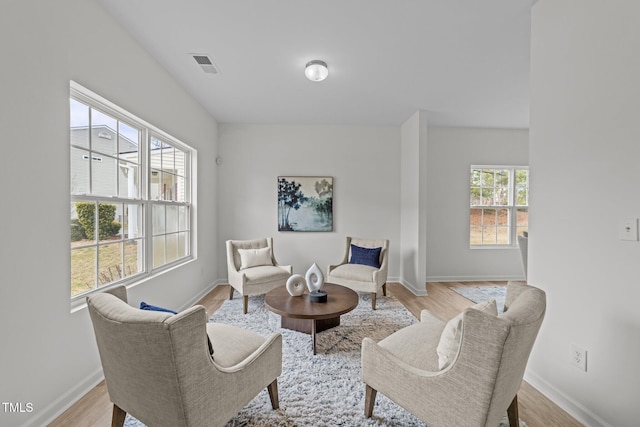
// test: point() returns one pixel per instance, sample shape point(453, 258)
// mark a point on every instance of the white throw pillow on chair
point(452, 334)
point(254, 257)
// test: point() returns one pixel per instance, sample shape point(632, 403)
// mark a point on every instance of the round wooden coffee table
point(300, 314)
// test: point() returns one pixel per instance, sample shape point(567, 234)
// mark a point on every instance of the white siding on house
point(104, 155)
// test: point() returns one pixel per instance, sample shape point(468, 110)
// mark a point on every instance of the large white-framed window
point(499, 205)
point(131, 205)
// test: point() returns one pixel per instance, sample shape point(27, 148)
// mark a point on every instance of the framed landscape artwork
point(305, 203)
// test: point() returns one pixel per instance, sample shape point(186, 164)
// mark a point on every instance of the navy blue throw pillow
point(145, 306)
point(365, 256)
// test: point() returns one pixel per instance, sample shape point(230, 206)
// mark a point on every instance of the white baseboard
point(573, 408)
point(417, 291)
point(473, 278)
point(201, 294)
point(65, 401)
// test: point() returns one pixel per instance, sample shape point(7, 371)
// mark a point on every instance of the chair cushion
point(357, 272)
point(254, 257)
point(265, 273)
point(365, 256)
point(232, 344)
point(452, 334)
point(415, 345)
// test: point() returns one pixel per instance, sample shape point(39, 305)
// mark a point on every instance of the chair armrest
point(119, 292)
point(384, 263)
point(273, 342)
point(289, 268)
point(273, 257)
point(377, 272)
point(332, 267)
point(380, 275)
point(236, 276)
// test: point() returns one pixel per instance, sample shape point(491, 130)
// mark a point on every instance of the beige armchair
point(486, 369)
point(252, 268)
point(159, 368)
point(523, 244)
point(361, 277)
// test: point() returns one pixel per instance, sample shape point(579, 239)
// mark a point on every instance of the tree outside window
point(499, 205)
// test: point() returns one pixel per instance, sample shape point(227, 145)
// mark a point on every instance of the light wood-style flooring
point(94, 409)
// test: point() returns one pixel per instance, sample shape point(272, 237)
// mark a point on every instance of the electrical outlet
point(579, 357)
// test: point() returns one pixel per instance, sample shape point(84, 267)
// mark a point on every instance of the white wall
point(383, 185)
point(363, 161)
point(49, 356)
point(584, 154)
point(450, 154)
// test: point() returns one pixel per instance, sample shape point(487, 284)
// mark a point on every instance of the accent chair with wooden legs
point(176, 369)
point(363, 268)
point(463, 372)
point(252, 268)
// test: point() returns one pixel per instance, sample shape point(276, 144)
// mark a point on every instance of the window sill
point(79, 302)
point(489, 247)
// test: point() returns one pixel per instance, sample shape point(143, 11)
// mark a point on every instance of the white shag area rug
point(483, 293)
point(325, 389)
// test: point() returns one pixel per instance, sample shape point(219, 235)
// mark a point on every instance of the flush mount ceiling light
point(316, 70)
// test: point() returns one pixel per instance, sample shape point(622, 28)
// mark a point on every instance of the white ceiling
point(466, 62)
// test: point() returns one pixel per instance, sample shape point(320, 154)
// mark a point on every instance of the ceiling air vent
point(205, 63)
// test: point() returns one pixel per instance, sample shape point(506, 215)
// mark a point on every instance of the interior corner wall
point(49, 356)
point(413, 215)
point(451, 151)
point(363, 161)
point(584, 154)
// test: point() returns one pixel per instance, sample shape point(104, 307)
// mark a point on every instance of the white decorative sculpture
point(314, 277)
point(296, 285)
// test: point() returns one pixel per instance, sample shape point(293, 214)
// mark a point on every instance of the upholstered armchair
point(523, 244)
point(179, 370)
point(363, 268)
point(476, 381)
point(252, 268)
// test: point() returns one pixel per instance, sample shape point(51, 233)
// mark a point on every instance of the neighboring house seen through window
point(130, 195)
point(499, 205)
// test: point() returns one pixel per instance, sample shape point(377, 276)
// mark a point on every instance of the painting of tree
point(305, 203)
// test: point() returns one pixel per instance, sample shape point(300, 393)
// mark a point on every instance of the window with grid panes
point(499, 205)
point(130, 192)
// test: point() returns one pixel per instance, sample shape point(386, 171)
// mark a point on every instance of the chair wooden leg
point(384, 289)
point(273, 394)
point(231, 292)
point(117, 420)
point(245, 301)
point(369, 401)
point(373, 301)
point(512, 413)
